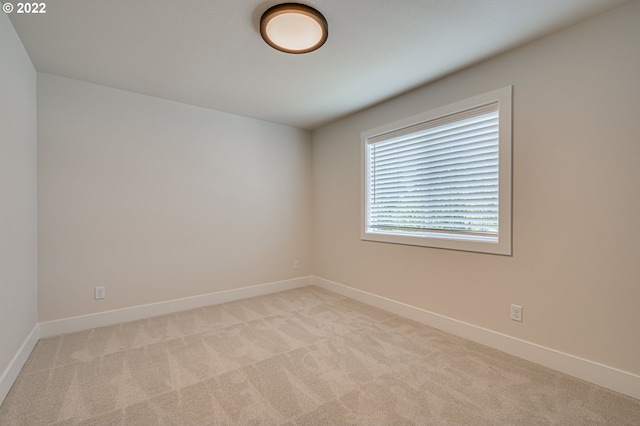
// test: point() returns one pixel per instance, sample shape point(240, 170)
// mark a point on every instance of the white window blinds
point(436, 176)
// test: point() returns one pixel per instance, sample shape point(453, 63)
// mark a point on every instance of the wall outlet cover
point(516, 313)
point(99, 293)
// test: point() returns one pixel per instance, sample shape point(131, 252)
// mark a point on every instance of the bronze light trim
point(294, 28)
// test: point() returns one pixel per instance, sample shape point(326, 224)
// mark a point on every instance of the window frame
point(465, 242)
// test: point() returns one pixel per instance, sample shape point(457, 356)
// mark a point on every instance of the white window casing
point(442, 178)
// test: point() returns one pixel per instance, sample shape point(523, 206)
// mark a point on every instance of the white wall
point(576, 209)
point(18, 245)
point(158, 200)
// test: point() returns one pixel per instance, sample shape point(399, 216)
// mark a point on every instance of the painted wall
point(576, 199)
point(157, 200)
point(18, 243)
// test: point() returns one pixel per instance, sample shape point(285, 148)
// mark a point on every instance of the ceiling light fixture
point(294, 28)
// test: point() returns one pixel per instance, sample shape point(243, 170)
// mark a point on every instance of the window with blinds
point(439, 178)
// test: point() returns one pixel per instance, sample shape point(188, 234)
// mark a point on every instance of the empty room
point(349, 212)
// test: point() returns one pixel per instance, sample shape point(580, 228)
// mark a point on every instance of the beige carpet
point(303, 357)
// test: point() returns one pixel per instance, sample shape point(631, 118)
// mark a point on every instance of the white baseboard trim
point(101, 319)
point(11, 372)
point(590, 371)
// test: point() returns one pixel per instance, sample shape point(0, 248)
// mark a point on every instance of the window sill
point(478, 244)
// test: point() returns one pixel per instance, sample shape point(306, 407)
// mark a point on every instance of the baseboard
point(593, 372)
point(101, 319)
point(11, 373)
point(590, 371)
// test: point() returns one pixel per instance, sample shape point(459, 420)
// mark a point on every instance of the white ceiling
point(210, 53)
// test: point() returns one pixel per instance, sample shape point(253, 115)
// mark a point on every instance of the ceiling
point(209, 52)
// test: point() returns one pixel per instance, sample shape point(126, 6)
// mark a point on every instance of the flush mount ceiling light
point(294, 28)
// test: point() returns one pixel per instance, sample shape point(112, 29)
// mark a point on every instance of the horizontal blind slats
point(439, 175)
point(486, 110)
point(436, 141)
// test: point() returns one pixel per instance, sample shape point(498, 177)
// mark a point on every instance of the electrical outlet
point(516, 313)
point(99, 293)
point(296, 264)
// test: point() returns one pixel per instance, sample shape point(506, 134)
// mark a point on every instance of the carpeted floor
point(300, 357)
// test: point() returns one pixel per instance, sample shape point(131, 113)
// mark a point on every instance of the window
point(442, 178)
